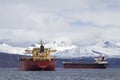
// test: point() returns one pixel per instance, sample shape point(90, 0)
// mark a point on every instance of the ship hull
point(41, 65)
point(84, 65)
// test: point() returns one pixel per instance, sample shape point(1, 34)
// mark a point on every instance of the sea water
point(61, 74)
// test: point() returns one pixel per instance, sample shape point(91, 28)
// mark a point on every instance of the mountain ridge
point(67, 49)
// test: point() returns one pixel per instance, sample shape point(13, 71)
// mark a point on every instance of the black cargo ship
point(100, 62)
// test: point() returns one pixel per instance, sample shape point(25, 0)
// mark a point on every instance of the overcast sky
point(25, 21)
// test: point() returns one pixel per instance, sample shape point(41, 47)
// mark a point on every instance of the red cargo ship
point(100, 62)
point(40, 60)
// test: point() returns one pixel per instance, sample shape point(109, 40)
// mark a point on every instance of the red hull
point(84, 65)
point(29, 64)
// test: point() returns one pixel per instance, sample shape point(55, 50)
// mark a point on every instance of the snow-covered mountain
point(66, 49)
point(59, 45)
point(106, 48)
point(5, 48)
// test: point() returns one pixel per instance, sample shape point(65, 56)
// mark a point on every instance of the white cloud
point(51, 19)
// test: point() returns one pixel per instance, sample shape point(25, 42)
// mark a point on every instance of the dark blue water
point(61, 74)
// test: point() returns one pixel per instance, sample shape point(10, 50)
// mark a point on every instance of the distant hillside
point(12, 60)
point(9, 60)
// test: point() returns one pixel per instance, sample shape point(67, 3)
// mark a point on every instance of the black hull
point(84, 65)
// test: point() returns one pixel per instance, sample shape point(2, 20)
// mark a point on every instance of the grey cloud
point(28, 20)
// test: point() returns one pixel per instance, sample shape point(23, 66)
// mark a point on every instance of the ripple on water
point(60, 74)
